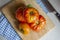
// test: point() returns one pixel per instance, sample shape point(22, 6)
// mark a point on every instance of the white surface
point(55, 4)
point(2, 2)
point(55, 33)
point(2, 38)
point(0, 13)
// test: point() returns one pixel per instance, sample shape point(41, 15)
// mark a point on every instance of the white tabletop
point(2, 2)
point(2, 37)
point(55, 4)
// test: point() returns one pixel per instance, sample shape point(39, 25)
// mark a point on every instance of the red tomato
point(42, 20)
point(19, 14)
point(38, 25)
point(35, 26)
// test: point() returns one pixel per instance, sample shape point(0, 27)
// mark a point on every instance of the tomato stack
point(29, 18)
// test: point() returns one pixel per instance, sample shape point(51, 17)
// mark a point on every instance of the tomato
point(35, 26)
point(19, 14)
point(42, 21)
point(24, 28)
point(38, 25)
point(31, 14)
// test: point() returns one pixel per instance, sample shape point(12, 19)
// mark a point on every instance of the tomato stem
point(31, 13)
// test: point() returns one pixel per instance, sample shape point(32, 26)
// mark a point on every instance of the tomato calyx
point(31, 13)
point(21, 30)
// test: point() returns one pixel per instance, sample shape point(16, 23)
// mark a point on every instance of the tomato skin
point(35, 28)
point(42, 19)
point(24, 28)
point(19, 14)
point(31, 14)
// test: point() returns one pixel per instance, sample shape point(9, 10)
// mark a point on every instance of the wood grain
point(9, 12)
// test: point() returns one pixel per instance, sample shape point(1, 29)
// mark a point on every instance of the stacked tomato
point(29, 18)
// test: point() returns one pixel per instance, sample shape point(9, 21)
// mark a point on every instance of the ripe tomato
point(35, 26)
point(31, 14)
point(42, 21)
point(38, 25)
point(24, 28)
point(19, 14)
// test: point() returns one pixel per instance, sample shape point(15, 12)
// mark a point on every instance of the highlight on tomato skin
point(24, 28)
point(19, 14)
point(31, 14)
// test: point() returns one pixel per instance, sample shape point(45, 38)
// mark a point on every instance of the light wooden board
point(9, 12)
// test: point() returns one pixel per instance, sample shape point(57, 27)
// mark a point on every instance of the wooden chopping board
point(9, 12)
